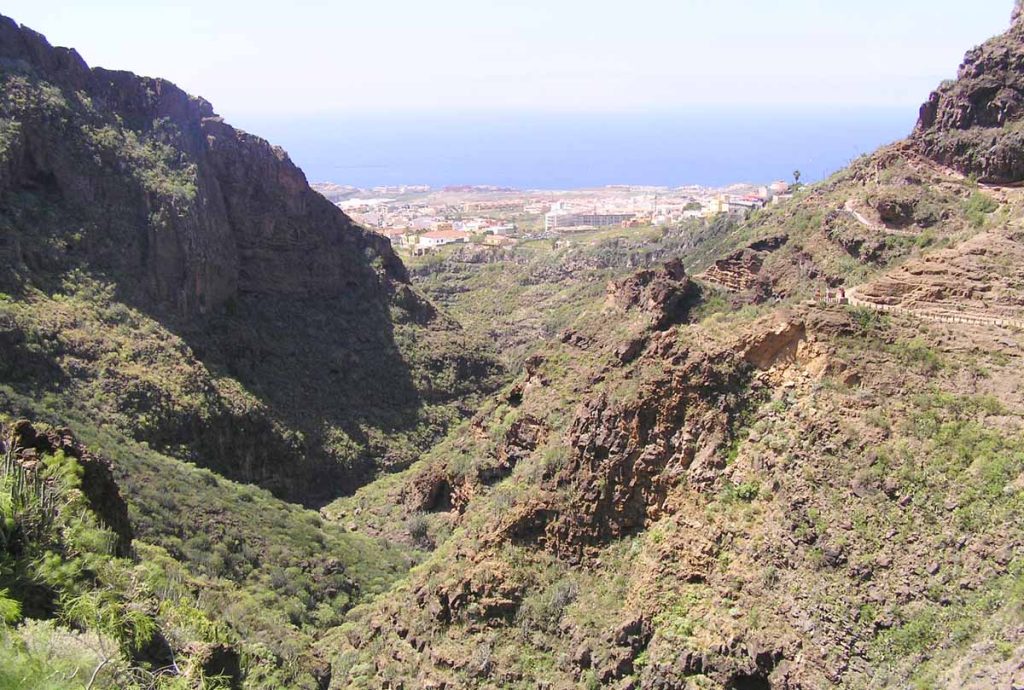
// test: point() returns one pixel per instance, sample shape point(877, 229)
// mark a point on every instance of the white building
point(439, 238)
point(562, 219)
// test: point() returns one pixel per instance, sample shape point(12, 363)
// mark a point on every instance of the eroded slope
point(769, 489)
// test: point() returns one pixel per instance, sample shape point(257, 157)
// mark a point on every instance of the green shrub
point(745, 492)
point(866, 319)
point(677, 623)
point(543, 610)
point(977, 207)
point(918, 353)
point(921, 632)
point(40, 655)
point(10, 609)
point(418, 528)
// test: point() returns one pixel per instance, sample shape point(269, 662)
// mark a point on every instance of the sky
point(255, 59)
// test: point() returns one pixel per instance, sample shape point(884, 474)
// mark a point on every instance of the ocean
point(713, 147)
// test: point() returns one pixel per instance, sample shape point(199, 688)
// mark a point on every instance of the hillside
point(522, 295)
point(180, 279)
point(678, 460)
point(179, 309)
point(726, 481)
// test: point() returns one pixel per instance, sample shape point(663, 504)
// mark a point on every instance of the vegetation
point(57, 556)
point(774, 487)
point(531, 292)
point(214, 563)
point(978, 206)
point(160, 168)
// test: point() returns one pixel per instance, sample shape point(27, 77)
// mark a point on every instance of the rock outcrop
point(741, 270)
point(625, 459)
point(27, 445)
point(972, 124)
point(737, 272)
point(665, 294)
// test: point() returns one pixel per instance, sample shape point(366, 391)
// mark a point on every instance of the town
point(418, 219)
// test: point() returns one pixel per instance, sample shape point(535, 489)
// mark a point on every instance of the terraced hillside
point(730, 481)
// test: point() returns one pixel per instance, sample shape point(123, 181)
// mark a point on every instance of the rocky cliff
point(187, 209)
point(974, 123)
point(179, 278)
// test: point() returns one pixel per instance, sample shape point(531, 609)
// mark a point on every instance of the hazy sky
point(253, 58)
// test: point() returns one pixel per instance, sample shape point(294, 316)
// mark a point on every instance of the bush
point(928, 213)
point(918, 353)
point(745, 492)
point(544, 609)
point(418, 528)
point(866, 319)
point(977, 208)
point(43, 656)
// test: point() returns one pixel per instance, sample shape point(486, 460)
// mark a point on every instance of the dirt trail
point(951, 313)
point(849, 208)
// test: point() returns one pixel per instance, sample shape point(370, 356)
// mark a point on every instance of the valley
point(248, 442)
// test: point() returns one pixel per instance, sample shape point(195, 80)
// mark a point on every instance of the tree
point(796, 176)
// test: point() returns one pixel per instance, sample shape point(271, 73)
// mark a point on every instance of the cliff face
point(973, 124)
point(178, 278)
point(189, 209)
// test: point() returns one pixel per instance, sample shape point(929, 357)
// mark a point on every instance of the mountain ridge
point(271, 311)
point(209, 259)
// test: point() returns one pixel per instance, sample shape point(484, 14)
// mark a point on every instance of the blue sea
point(712, 147)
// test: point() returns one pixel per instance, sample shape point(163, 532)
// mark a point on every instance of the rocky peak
point(22, 44)
point(970, 124)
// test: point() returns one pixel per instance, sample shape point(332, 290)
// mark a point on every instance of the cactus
point(30, 504)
